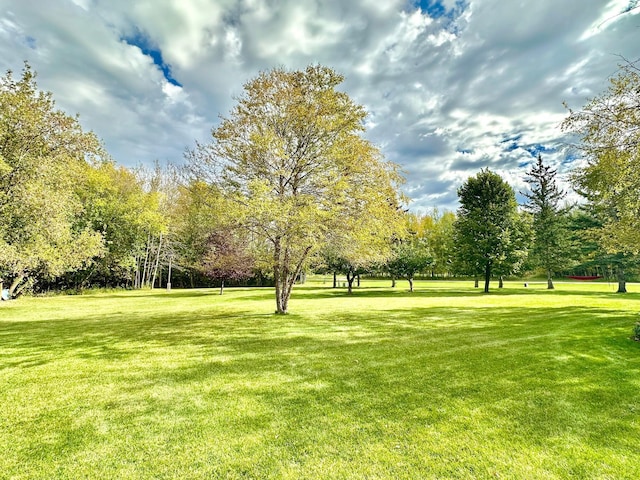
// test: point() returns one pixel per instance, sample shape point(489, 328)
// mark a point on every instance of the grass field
point(446, 382)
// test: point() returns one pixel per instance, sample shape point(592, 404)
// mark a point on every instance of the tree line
point(288, 184)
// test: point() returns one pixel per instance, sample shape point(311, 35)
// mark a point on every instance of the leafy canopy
point(43, 156)
point(290, 155)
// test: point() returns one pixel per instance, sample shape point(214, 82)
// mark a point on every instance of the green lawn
point(447, 382)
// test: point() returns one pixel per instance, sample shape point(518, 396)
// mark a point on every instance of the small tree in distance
point(410, 257)
point(226, 258)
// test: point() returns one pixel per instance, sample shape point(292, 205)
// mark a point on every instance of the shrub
point(636, 332)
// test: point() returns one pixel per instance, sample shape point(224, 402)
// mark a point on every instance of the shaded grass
point(442, 383)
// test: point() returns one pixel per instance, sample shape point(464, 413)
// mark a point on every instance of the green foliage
point(117, 205)
point(43, 156)
point(550, 249)
point(435, 230)
point(486, 230)
point(291, 157)
point(609, 127)
point(411, 254)
point(199, 209)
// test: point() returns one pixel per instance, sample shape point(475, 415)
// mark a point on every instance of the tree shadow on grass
point(443, 292)
point(117, 335)
point(493, 380)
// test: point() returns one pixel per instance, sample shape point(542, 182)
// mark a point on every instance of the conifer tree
point(550, 244)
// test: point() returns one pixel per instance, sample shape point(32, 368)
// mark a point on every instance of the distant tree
point(227, 258)
point(484, 229)
point(43, 158)
point(590, 253)
point(356, 250)
point(292, 158)
point(516, 255)
point(440, 241)
point(550, 244)
point(411, 256)
point(116, 204)
point(199, 209)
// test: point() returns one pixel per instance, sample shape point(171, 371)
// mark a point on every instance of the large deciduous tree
point(291, 156)
point(550, 248)
point(43, 155)
point(484, 231)
point(609, 129)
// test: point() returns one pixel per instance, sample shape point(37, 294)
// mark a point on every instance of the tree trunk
point(622, 282)
point(155, 268)
point(475, 282)
point(146, 260)
point(13, 288)
point(277, 280)
point(393, 282)
point(549, 281)
point(285, 278)
point(350, 278)
point(281, 307)
point(221, 286)
point(358, 280)
point(487, 276)
point(169, 275)
point(136, 282)
point(500, 282)
point(335, 279)
point(410, 283)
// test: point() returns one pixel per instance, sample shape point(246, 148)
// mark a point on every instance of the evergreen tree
point(550, 245)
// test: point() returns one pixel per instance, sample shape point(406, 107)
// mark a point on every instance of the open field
point(443, 383)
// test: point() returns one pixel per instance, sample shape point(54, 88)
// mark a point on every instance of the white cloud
point(446, 96)
point(614, 11)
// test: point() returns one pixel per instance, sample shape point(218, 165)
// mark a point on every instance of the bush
point(636, 332)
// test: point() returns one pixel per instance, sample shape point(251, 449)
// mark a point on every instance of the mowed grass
point(446, 382)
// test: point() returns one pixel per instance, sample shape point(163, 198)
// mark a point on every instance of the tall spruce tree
point(550, 245)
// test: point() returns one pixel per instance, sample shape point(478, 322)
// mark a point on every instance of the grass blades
point(443, 383)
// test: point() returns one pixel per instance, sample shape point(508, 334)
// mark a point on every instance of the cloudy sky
point(451, 86)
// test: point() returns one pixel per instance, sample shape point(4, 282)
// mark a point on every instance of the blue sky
point(451, 86)
point(148, 47)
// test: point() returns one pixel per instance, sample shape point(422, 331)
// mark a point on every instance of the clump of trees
point(287, 184)
point(609, 131)
point(69, 216)
point(44, 156)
